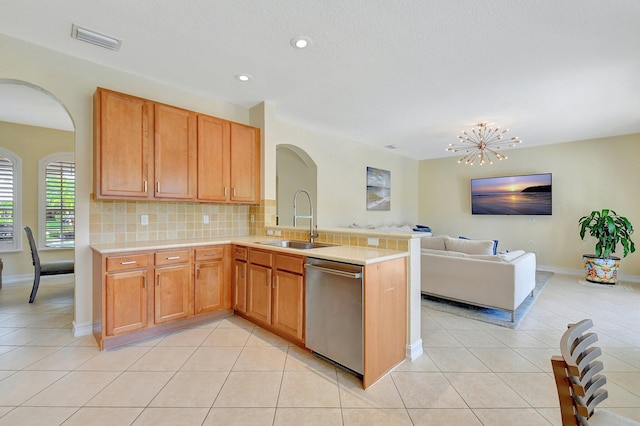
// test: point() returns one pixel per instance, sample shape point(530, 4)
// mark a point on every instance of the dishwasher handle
point(334, 271)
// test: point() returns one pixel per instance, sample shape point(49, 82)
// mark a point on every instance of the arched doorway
point(34, 125)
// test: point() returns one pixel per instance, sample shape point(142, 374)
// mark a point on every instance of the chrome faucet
point(313, 233)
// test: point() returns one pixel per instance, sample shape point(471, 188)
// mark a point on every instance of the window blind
point(7, 200)
point(60, 185)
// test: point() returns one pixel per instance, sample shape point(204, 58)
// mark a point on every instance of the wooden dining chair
point(578, 380)
point(59, 267)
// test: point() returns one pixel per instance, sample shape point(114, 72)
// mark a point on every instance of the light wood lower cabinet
point(275, 292)
point(259, 293)
point(240, 256)
point(288, 297)
point(385, 318)
point(126, 299)
point(211, 274)
point(141, 294)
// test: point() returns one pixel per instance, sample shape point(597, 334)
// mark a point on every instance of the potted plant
point(609, 229)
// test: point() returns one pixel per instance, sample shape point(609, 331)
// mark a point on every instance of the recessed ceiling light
point(300, 42)
point(93, 37)
point(243, 77)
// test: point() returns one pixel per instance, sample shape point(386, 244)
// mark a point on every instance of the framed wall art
point(378, 189)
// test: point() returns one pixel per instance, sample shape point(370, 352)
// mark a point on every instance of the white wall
point(587, 175)
point(342, 184)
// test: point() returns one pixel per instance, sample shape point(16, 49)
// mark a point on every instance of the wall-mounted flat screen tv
point(512, 195)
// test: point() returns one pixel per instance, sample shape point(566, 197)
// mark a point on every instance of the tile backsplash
point(121, 221)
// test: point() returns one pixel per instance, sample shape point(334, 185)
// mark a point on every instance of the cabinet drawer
point(172, 257)
point(126, 262)
point(240, 253)
point(260, 257)
point(209, 253)
point(293, 264)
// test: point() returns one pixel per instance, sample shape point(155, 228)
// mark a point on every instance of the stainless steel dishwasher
point(334, 314)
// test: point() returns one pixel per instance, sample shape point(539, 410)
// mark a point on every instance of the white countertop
point(340, 253)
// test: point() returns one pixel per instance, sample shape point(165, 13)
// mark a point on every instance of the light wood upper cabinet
point(245, 164)
point(123, 145)
point(175, 153)
point(228, 161)
point(148, 150)
point(213, 159)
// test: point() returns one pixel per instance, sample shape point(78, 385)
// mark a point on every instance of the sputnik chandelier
point(482, 144)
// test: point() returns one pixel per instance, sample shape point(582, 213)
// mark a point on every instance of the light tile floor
point(230, 372)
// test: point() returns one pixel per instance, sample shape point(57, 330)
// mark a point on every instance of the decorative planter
point(599, 270)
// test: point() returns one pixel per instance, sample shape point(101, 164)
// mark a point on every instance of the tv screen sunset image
point(512, 195)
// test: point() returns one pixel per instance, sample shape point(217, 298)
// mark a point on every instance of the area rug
point(493, 316)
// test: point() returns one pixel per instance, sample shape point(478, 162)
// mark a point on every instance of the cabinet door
point(175, 153)
point(259, 293)
point(240, 286)
point(245, 164)
point(213, 159)
point(210, 294)
point(288, 303)
point(126, 302)
point(172, 293)
point(123, 145)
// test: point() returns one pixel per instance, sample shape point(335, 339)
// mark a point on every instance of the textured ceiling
point(378, 72)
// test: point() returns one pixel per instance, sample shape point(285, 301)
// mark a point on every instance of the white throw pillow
point(469, 246)
point(433, 243)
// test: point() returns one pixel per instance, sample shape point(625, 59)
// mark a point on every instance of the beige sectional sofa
point(469, 272)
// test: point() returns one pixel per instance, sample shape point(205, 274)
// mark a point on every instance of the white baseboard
point(82, 329)
point(414, 350)
point(580, 273)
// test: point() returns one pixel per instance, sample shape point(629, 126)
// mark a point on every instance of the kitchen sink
point(294, 244)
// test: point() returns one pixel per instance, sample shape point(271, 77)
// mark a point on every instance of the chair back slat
point(567, 344)
point(576, 373)
point(32, 245)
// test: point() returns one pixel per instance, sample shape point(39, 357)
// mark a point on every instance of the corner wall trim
point(82, 329)
point(414, 350)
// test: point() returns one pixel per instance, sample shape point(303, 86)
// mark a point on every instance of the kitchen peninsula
point(142, 289)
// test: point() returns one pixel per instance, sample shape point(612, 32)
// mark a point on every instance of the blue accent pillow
point(421, 228)
point(495, 244)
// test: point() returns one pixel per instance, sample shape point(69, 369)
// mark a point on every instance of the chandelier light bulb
point(481, 144)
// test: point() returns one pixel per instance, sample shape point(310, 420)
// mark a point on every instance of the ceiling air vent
point(93, 37)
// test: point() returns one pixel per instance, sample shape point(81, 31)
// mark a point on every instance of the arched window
point(10, 201)
point(56, 206)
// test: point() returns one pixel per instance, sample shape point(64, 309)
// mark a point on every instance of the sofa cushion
point(433, 242)
point(444, 253)
point(511, 255)
point(495, 243)
point(469, 246)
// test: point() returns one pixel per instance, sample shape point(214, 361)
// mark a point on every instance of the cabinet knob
point(144, 184)
point(128, 262)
